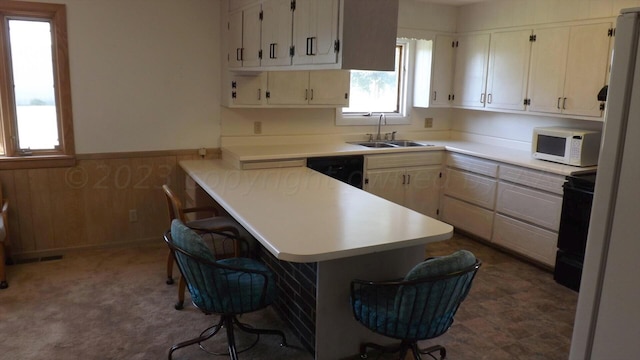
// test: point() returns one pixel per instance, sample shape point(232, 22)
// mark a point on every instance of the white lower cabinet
point(468, 217)
point(470, 194)
point(526, 239)
point(411, 180)
point(511, 206)
point(528, 207)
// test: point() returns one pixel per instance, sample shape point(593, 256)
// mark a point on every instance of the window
point(35, 95)
point(375, 92)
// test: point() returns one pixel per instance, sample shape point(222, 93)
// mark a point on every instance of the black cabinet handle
point(310, 41)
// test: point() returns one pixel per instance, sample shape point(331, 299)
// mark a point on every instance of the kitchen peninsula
point(318, 234)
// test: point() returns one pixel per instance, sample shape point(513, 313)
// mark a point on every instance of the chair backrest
point(174, 204)
point(422, 305)
point(432, 293)
point(214, 287)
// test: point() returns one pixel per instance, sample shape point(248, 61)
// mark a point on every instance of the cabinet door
point(251, 27)
point(588, 57)
point(386, 183)
point(442, 71)
point(277, 22)
point(470, 76)
point(247, 90)
point(422, 190)
point(234, 38)
point(547, 71)
point(329, 87)
point(508, 70)
point(315, 29)
point(288, 87)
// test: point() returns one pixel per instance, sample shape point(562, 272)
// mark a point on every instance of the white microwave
point(566, 146)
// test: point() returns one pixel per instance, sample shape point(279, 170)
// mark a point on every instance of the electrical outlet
point(202, 152)
point(257, 127)
point(133, 215)
point(428, 122)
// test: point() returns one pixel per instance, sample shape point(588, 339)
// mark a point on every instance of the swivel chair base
point(228, 321)
point(403, 348)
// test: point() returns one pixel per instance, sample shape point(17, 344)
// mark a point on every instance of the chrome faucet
point(382, 116)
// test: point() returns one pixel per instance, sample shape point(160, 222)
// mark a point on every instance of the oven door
point(576, 213)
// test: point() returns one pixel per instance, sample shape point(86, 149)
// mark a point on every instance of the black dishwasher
point(347, 169)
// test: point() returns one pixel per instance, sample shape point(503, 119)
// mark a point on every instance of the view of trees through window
point(376, 91)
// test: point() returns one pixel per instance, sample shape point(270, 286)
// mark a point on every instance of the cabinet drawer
point(530, 205)
point(467, 217)
point(404, 160)
point(473, 188)
point(533, 178)
point(526, 239)
point(473, 164)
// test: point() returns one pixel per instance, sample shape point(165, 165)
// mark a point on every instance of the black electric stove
point(574, 227)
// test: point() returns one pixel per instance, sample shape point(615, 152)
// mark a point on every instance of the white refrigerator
point(607, 324)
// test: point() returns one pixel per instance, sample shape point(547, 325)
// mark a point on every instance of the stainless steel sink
point(405, 143)
point(388, 143)
point(373, 144)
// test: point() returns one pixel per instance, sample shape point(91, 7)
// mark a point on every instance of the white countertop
point(300, 215)
point(253, 153)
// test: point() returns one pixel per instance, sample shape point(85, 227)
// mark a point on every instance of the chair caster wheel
point(179, 305)
point(169, 281)
point(363, 356)
point(4, 285)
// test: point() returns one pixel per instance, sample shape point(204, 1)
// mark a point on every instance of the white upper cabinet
point(470, 76)
point(247, 90)
point(244, 37)
point(315, 88)
point(315, 32)
point(312, 34)
point(277, 21)
point(587, 73)
point(569, 65)
point(442, 71)
point(492, 70)
point(548, 63)
point(433, 75)
point(508, 70)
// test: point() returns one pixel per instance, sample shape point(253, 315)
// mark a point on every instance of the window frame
point(403, 116)
point(55, 14)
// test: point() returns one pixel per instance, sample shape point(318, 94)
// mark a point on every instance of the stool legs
point(170, 261)
point(3, 274)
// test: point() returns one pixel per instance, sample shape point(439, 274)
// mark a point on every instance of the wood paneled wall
point(55, 210)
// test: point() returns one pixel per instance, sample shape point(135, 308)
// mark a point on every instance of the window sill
point(347, 120)
point(36, 162)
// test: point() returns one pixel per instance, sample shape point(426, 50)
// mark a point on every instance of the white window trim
point(404, 117)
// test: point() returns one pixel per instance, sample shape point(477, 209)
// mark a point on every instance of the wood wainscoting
point(104, 200)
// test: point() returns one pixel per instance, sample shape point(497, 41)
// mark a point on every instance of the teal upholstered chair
point(227, 287)
point(421, 306)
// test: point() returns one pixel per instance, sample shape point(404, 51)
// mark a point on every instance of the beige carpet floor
point(114, 304)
